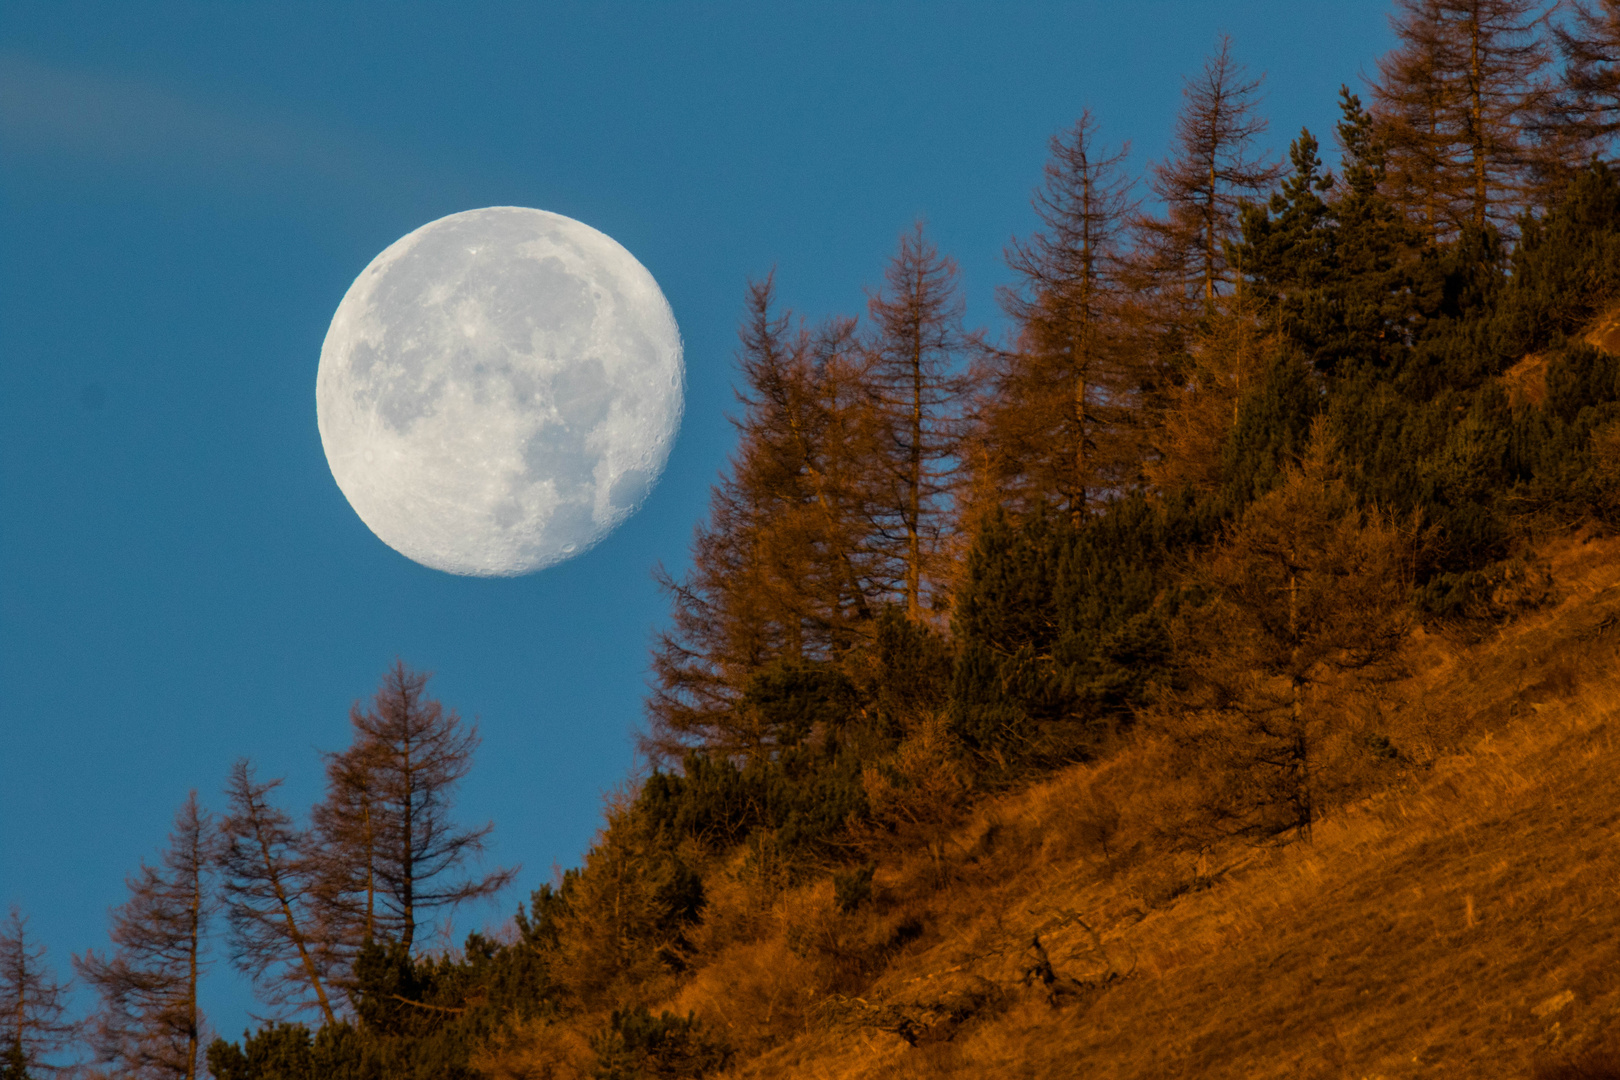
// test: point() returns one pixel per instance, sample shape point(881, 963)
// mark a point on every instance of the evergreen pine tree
point(1566, 265)
point(1341, 275)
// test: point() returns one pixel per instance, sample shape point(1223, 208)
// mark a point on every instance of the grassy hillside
point(1241, 714)
point(1456, 917)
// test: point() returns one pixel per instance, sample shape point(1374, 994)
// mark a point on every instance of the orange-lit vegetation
point(1450, 915)
point(1244, 730)
point(1214, 678)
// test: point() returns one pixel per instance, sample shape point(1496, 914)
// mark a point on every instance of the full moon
point(499, 390)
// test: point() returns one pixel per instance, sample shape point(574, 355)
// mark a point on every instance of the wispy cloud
point(137, 125)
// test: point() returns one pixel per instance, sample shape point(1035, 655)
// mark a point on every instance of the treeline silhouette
point(1253, 421)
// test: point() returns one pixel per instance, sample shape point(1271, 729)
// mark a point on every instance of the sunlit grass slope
point(1458, 917)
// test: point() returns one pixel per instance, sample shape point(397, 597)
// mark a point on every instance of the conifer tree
point(1566, 265)
point(919, 791)
point(1412, 100)
point(1213, 168)
point(149, 1023)
point(783, 569)
point(1059, 423)
point(344, 845)
point(797, 474)
point(1339, 274)
point(1374, 291)
point(390, 855)
point(1457, 101)
point(268, 886)
point(33, 1005)
point(913, 351)
point(1229, 354)
point(1287, 249)
point(1332, 262)
point(1588, 104)
point(1307, 598)
point(623, 915)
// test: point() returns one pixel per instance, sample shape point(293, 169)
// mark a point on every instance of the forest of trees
point(1249, 425)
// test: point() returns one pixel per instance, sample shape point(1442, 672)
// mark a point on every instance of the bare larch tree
point(1214, 166)
point(148, 1023)
point(914, 348)
point(1456, 102)
point(1058, 418)
point(33, 1005)
point(1587, 106)
point(390, 856)
point(267, 882)
point(783, 568)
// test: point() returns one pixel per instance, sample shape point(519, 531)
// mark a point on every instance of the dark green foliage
point(1057, 627)
point(1566, 267)
point(1425, 430)
point(1006, 621)
point(1581, 378)
point(1335, 263)
point(681, 899)
point(1273, 426)
point(807, 790)
point(1398, 341)
point(793, 700)
point(709, 800)
point(637, 1045)
point(803, 796)
point(910, 674)
point(13, 1065)
point(415, 1019)
point(1458, 344)
point(1111, 642)
point(397, 996)
point(289, 1052)
point(539, 928)
point(853, 887)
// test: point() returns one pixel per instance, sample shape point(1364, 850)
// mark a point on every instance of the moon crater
point(499, 390)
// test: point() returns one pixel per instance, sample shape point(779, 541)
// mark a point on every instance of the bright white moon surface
point(499, 390)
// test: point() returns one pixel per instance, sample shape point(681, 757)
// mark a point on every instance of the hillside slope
point(1461, 921)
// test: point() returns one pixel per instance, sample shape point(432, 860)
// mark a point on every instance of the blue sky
point(187, 190)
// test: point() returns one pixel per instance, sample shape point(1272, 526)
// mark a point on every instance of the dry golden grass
point(1459, 921)
point(1526, 381)
point(1605, 332)
point(1454, 915)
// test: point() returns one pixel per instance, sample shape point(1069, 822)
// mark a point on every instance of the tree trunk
point(407, 876)
point(1476, 113)
point(1077, 507)
point(1209, 234)
point(1299, 750)
point(914, 495)
point(273, 875)
point(193, 946)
